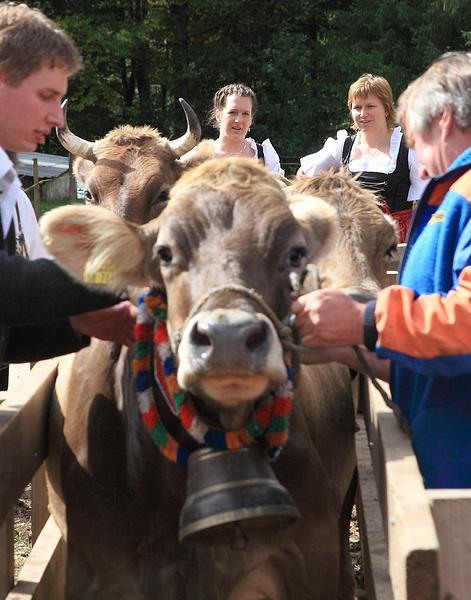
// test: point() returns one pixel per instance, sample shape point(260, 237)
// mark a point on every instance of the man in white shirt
point(28, 236)
point(43, 311)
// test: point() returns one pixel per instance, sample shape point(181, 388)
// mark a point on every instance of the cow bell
point(232, 496)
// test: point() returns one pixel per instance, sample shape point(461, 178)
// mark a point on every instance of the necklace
point(241, 151)
point(269, 424)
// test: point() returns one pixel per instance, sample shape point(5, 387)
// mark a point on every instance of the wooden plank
point(36, 190)
point(39, 502)
point(452, 513)
point(395, 263)
point(23, 429)
point(6, 554)
point(72, 191)
point(373, 541)
point(370, 414)
point(18, 372)
point(42, 575)
point(409, 526)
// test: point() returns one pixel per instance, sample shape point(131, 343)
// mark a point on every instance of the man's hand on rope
point(327, 318)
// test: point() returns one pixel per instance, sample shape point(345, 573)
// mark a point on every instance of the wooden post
point(373, 542)
point(39, 502)
point(42, 577)
point(452, 514)
point(406, 509)
point(6, 556)
point(72, 183)
point(36, 190)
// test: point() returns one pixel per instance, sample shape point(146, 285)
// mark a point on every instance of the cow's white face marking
point(230, 382)
point(122, 201)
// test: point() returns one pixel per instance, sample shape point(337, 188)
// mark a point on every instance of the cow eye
point(165, 254)
point(391, 252)
point(296, 256)
point(161, 198)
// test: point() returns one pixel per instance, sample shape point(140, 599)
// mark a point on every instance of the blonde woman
point(377, 153)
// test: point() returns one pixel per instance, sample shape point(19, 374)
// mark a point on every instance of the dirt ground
point(355, 551)
point(22, 529)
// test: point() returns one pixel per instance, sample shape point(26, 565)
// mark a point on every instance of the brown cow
point(115, 497)
point(367, 241)
point(131, 169)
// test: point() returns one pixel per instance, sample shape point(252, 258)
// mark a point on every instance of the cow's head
point(131, 169)
point(228, 223)
point(367, 239)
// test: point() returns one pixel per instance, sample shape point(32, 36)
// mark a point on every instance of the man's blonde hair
point(379, 86)
point(28, 39)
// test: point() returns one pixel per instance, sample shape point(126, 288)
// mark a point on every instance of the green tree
point(395, 39)
point(300, 57)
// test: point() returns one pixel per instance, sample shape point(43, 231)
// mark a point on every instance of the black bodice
point(392, 187)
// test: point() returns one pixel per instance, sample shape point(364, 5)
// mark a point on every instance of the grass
point(47, 205)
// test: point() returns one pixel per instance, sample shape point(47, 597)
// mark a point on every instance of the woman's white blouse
point(330, 156)
point(272, 160)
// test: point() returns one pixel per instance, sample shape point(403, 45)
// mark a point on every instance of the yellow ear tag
point(103, 275)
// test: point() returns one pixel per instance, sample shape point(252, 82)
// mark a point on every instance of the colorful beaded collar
point(154, 363)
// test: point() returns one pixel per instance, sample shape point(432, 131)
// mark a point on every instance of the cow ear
point(318, 220)
point(97, 246)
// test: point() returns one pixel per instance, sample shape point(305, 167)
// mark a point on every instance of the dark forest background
point(300, 56)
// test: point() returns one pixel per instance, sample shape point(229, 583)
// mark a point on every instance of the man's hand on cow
point(327, 318)
point(114, 324)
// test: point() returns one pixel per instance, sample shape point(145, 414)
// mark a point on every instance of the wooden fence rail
point(23, 447)
point(415, 542)
point(426, 532)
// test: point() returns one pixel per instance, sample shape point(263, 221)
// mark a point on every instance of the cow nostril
point(198, 337)
point(257, 336)
point(245, 337)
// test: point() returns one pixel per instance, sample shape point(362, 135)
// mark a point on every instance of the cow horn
point(75, 145)
point(193, 132)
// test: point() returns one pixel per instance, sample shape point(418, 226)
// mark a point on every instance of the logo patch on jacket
point(437, 217)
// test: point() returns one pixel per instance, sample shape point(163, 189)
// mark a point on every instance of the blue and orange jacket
point(424, 327)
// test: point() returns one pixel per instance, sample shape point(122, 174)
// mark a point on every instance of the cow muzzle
point(230, 355)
